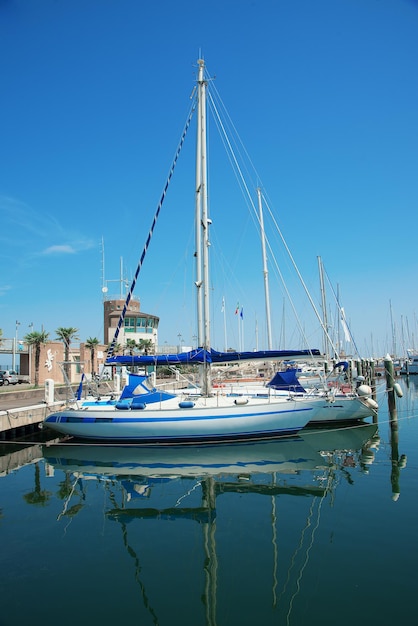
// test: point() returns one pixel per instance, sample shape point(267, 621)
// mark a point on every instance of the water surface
point(317, 529)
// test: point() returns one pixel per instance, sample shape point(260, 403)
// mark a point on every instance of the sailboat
point(209, 416)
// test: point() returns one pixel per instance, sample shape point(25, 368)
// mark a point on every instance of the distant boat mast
point(265, 269)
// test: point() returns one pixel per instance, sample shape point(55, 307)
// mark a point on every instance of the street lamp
point(30, 354)
point(15, 348)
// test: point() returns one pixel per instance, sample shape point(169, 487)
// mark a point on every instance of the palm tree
point(116, 348)
point(146, 345)
point(66, 335)
point(131, 345)
point(91, 344)
point(36, 339)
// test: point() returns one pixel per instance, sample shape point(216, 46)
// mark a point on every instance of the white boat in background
point(210, 415)
point(410, 366)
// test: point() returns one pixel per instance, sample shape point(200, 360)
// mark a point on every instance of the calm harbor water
point(317, 529)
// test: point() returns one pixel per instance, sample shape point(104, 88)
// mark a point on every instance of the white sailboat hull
point(206, 419)
point(217, 418)
point(328, 407)
point(342, 409)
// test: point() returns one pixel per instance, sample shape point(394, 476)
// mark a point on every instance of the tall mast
point(198, 216)
point(265, 270)
point(202, 225)
point(324, 308)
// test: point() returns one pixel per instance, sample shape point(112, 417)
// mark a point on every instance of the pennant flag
point(237, 309)
point(223, 305)
point(242, 313)
point(347, 335)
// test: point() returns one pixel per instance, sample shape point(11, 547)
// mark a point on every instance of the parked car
point(1, 380)
point(10, 377)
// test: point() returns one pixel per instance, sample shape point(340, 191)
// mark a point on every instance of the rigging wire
point(151, 231)
point(238, 171)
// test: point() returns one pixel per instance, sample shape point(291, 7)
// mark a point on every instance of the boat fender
point(186, 404)
point(122, 406)
point(240, 401)
point(138, 406)
point(364, 391)
point(369, 402)
point(398, 390)
point(330, 397)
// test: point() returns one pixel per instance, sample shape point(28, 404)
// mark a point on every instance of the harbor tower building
point(137, 324)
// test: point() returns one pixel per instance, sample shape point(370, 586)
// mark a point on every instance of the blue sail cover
point(286, 381)
point(209, 356)
point(138, 388)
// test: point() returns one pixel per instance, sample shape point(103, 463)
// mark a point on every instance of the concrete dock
point(22, 410)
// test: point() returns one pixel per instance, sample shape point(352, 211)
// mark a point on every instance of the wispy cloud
point(4, 289)
point(35, 229)
point(63, 249)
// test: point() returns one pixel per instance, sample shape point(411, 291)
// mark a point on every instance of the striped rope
point(151, 231)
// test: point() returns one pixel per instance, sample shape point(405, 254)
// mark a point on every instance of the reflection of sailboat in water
point(284, 456)
point(197, 485)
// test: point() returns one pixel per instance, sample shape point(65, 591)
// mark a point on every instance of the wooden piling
point(397, 461)
point(390, 382)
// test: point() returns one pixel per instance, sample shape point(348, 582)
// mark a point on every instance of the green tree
point(146, 345)
point(91, 344)
point(116, 349)
point(36, 339)
point(131, 345)
point(66, 335)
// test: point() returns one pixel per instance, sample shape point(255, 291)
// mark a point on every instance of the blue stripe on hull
point(62, 418)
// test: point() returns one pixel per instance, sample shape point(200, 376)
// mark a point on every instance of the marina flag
point(242, 313)
point(347, 335)
point(80, 387)
point(223, 305)
point(237, 309)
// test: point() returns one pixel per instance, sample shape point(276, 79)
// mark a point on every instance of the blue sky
point(95, 94)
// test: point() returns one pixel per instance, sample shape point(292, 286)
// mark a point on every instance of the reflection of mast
point(211, 557)
point(206, 516)
point(311, 538)
point(239, 479)
point(133, 554)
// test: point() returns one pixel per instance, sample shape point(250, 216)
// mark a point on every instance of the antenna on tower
point(104, 286)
